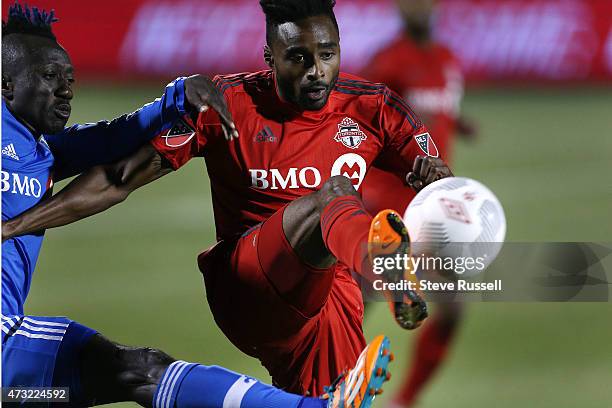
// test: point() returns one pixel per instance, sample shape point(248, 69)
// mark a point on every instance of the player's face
point(306, 61)
point(416, 13)
point(42, 87)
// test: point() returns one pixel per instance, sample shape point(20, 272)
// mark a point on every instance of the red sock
point(345, 225)
point(429, 353)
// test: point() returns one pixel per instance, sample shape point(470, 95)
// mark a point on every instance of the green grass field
point(131, 272)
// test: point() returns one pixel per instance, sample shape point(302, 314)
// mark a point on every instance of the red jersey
point(283, 153)
point(428, 77)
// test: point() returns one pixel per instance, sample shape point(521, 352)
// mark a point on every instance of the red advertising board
point(506, 40)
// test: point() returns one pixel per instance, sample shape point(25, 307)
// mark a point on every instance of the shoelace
point(330, 389)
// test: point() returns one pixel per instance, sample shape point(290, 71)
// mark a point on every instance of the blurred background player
point(428, 76)
point(37, 78)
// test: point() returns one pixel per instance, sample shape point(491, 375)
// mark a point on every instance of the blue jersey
point(29, 162)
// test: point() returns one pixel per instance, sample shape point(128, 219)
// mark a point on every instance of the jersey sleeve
point(186, 140)
point(80, 147)
point(405, 137)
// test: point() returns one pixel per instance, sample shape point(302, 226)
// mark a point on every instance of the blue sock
point(186, 385)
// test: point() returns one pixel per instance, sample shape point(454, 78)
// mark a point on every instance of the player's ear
point(268, 56)
point(7, 87)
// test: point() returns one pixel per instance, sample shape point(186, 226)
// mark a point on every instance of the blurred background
point(538, 89)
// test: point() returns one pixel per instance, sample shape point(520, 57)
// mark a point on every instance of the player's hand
point(201, 94)
point(426, 170)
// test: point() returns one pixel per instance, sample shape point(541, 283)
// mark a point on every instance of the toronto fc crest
point(349, 133)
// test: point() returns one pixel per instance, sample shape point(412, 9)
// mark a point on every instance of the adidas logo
point(265, 135)
point(10, 152)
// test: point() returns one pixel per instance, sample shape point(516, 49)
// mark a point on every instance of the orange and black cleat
point(359, 387)
point(389, 237)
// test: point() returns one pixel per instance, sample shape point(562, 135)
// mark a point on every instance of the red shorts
point(304, 324)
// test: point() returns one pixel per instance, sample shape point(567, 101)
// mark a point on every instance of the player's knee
point(334, 187)
point(340, 185)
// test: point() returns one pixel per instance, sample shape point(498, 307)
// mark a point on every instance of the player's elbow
point(114, 190)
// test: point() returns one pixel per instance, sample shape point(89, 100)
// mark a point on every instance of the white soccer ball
point(457, 217)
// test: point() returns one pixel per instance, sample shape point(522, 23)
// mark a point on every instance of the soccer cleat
point(358, 387)
point(388, 237)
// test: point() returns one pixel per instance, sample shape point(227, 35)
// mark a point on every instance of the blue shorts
point(42, 352)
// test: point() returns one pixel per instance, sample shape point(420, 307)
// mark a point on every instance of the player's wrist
point(7, 230)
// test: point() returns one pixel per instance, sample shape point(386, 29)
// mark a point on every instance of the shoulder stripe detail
point(390, 100)
point(224, 84)
point(393, 96)
point(230, 85)
point(402, 112)
point(388, 95)
point(361, 84)
point(347, 90)
point(401, 106)
point(226, 81)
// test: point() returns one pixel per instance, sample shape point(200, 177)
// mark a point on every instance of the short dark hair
point(29, 21)
point(282, 11)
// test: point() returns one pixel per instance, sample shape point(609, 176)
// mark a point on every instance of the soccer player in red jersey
point(427, 74)
point(291, 226)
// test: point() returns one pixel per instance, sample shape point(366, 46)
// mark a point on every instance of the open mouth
point(315, 93)
point(62, 111)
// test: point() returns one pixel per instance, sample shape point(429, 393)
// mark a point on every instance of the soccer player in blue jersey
point(40, 351)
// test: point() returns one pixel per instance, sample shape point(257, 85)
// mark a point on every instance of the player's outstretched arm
point(90, 193)
point(80, 147)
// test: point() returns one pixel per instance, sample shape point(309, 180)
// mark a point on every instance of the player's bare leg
point(332, 223)
point(302, 222)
